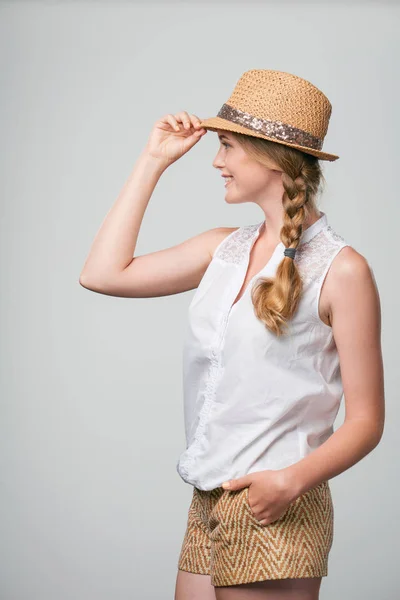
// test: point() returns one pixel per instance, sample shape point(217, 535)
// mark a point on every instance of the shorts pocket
point(287, 513)
point(248, 507)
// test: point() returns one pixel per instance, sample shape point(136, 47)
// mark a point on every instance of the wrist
point(154, 162)
point(291, 483)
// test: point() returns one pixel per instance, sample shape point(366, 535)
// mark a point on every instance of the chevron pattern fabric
point(224, 539)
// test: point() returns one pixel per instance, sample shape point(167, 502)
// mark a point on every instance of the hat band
point(274, 129)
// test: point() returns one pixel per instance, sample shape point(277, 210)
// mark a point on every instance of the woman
point(286, 317)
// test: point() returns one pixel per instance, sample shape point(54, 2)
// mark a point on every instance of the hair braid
point(276, 299)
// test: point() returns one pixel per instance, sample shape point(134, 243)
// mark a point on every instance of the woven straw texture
point(224, 539)
point(290, 102)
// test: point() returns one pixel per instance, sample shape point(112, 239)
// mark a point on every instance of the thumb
point(191, 140)
point(236, 484)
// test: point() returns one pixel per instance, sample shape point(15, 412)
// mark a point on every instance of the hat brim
point(214, 123)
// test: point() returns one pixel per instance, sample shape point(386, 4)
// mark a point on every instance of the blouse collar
point(311, 231)
point(315, 228)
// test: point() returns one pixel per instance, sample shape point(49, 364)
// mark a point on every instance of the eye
point(225, 144)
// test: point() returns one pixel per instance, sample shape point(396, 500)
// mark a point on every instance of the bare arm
point(164, 272)
point(115, 242)
point(356, 325)
point(111, 267)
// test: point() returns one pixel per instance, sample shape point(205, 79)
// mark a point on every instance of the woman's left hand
point(270, 493)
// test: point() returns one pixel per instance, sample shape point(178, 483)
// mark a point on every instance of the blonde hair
point(276, 299)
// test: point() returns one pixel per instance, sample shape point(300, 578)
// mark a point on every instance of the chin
point(235, 198)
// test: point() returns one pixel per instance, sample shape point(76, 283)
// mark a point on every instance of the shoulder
point(350, 281)
point(349, 264)
point(218, 235)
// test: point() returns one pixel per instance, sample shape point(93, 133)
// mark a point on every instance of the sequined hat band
point(273, 129)
point(276, 106)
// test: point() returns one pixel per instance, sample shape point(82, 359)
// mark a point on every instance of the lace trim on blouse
point(234, 248)
point(311, 257)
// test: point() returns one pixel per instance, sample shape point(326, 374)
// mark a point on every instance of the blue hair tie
point(290, 252)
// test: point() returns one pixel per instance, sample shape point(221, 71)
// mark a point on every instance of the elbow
point(371, 430)
point(83, 281)
point(88, 283)
point(379, 429)
point(379, 435)
point(375, 437)
point(100, 286)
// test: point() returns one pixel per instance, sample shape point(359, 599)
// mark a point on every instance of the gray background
point(91, 398)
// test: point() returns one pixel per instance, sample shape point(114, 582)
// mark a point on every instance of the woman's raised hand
point(173, 135)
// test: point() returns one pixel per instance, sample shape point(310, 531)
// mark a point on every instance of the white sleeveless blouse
point(253, 401)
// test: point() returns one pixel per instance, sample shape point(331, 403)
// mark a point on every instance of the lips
point(228, 180)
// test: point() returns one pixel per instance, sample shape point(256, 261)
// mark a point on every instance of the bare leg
point(193, 586)
point(275, 589)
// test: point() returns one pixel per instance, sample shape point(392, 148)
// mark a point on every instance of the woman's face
point(251, 181)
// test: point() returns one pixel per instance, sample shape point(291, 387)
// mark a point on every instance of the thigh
point(274, 589)
point(193, 586)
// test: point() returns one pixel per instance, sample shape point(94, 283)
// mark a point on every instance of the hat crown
point(280, 96)
point(277, 106)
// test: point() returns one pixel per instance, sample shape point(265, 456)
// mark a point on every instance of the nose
point(217, 162)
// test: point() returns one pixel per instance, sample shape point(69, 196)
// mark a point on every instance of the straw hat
point(277, 106)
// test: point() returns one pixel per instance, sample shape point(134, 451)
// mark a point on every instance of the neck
point(270, 232)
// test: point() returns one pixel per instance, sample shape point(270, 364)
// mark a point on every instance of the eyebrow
point(221, 135)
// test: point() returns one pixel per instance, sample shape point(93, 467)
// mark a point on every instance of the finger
point(195, 120)
point(197, 124)
point(173, 122)
point(198, 134)
point(183, 116)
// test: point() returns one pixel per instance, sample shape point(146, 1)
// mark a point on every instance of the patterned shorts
point(225, 540)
